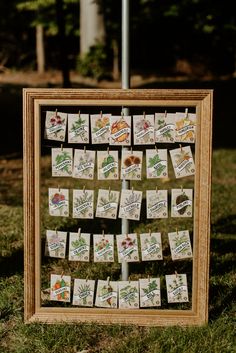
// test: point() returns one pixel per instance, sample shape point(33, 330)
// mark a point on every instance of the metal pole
point(125, 85)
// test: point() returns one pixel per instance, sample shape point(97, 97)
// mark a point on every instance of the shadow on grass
point(11, 265)
point(226, 225)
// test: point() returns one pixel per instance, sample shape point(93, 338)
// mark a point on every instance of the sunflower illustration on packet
point(100, 128)
point(185, 126)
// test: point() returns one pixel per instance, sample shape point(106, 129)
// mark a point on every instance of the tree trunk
point(92, 29)
point(40, 54)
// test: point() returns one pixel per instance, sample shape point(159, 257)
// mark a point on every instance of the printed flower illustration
point(104, 247)
point(128, 243)
point(57, 199)
point(143, 125)
point(102, 124)
point(189, 135)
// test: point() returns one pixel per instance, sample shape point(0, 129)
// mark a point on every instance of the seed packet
point(182, 160)
point(107, 203)
point(79, 246)
point(131, 165)
point(106, 296)
point(58, 202)
point(83, 294)
point(107, 165)
point(62, 162)
point(103, 245)
point(78, 128)
point(185, 127)
point(180, 245)
point(130, 204)
point(143, 129)
point(181, 202)
point(165, 127)
point(55, 126)
point(55, 245)
point(177, 289)
point(151, 246)
point(83, 201)
point(100, 124)
point(128, 294)
point(157, 203)
point(127, 247)
point(84, 162)
point(150, 292)
point(120, 130)
point(60, 288)
point(156, 163)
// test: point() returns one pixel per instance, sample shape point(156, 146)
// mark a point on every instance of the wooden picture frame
point(33, 102)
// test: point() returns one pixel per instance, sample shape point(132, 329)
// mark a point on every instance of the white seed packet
point(156, 163)
point(83, 294)
point(107, 203)
point(165, 127)
point(157, 204)
point(55, 245)
point(83, 203)
point(78, 128)
point(60, 288)
point(181, 202)
point(107, 165)
point(62, 159)
point(131, 165)
point(182, 160)
point(127, 247)
point(120, 130)
point(100, 124)
point(103, 247)
point(84, 163)
point(128, 294)
point(185, 127)
point(151, 246)
point(55, 126)
point(79, 246)
point(150, 292)
point(130, 204)
point(177, 289)
point(107, 294)
point(58, 200)
point(143, 129)
point(180, 245)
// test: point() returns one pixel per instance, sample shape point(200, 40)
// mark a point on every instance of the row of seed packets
point(122, 294)
point(129, 203)
point(116, 130)
point(127, 246)
point(82, 164)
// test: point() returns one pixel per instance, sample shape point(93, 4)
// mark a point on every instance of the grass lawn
point(217, 336)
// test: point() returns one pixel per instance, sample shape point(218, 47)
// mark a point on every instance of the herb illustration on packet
point(60, 288)
point(151, 246)
point(165, 127)
point(107, 165)
point(150, 292)
point(130, 204)
point(156, 163)
point(84, 163)
point(143, 129)
point(177, 289)
point(131, 165)
point(79, 246)
point(127, 247)
point(180, 245)
point(181, 202)
point(55, 126)
point(103, 245)
point(128, 294)
point(185, 127)
point(78, 128)
point(100, 124)
point(120, 130)
point(157, 204)
point(83, 203)
point(106, 295)
point(107, 203)
point(58, 200)
point(182, 160)
point(62, 159)
point(55, 245)
point(83, 294)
